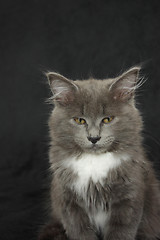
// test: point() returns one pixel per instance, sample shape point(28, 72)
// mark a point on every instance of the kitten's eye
point(107, 120)
point(80, 121)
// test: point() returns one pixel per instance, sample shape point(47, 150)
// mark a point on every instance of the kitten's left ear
point(123, 87)
point(62, 88)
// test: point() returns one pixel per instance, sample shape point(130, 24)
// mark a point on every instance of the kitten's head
point(95, 115)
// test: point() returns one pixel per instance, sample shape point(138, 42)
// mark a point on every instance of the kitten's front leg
point(77, 224)
point(124, 220)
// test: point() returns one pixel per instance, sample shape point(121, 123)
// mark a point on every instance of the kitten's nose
point(94, 139)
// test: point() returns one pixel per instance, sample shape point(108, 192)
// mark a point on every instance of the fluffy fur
point(108, 189)
point(92, 167)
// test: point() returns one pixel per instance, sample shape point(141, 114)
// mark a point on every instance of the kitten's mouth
point(95, 148)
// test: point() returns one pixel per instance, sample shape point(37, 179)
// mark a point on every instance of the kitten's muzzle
point(94, 139)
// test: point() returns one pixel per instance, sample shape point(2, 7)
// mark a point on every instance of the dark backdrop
point(76, 38)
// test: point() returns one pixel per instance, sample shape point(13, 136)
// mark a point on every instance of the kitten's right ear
point(62, 88)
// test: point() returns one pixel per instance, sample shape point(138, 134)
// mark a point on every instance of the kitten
point(103, 186)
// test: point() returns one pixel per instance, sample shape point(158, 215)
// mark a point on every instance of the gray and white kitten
point(103, 186)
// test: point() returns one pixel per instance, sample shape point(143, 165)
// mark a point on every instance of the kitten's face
point(94, 117)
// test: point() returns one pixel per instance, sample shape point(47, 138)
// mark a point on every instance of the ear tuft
point(124, 86)
point(62, 88)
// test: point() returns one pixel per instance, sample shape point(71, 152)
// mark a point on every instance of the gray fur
point(130, 193)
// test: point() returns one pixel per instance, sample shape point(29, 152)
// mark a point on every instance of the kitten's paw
point(53, 232)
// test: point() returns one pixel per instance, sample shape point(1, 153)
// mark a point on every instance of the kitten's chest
point(92, 170)
point(90, 186)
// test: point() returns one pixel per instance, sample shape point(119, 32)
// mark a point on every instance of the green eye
point(80, 121)
point(107, 120)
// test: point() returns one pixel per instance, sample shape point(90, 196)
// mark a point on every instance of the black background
point(76, 38)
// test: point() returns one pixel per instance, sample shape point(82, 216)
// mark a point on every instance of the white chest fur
point(99, 218)
point(93, 167)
